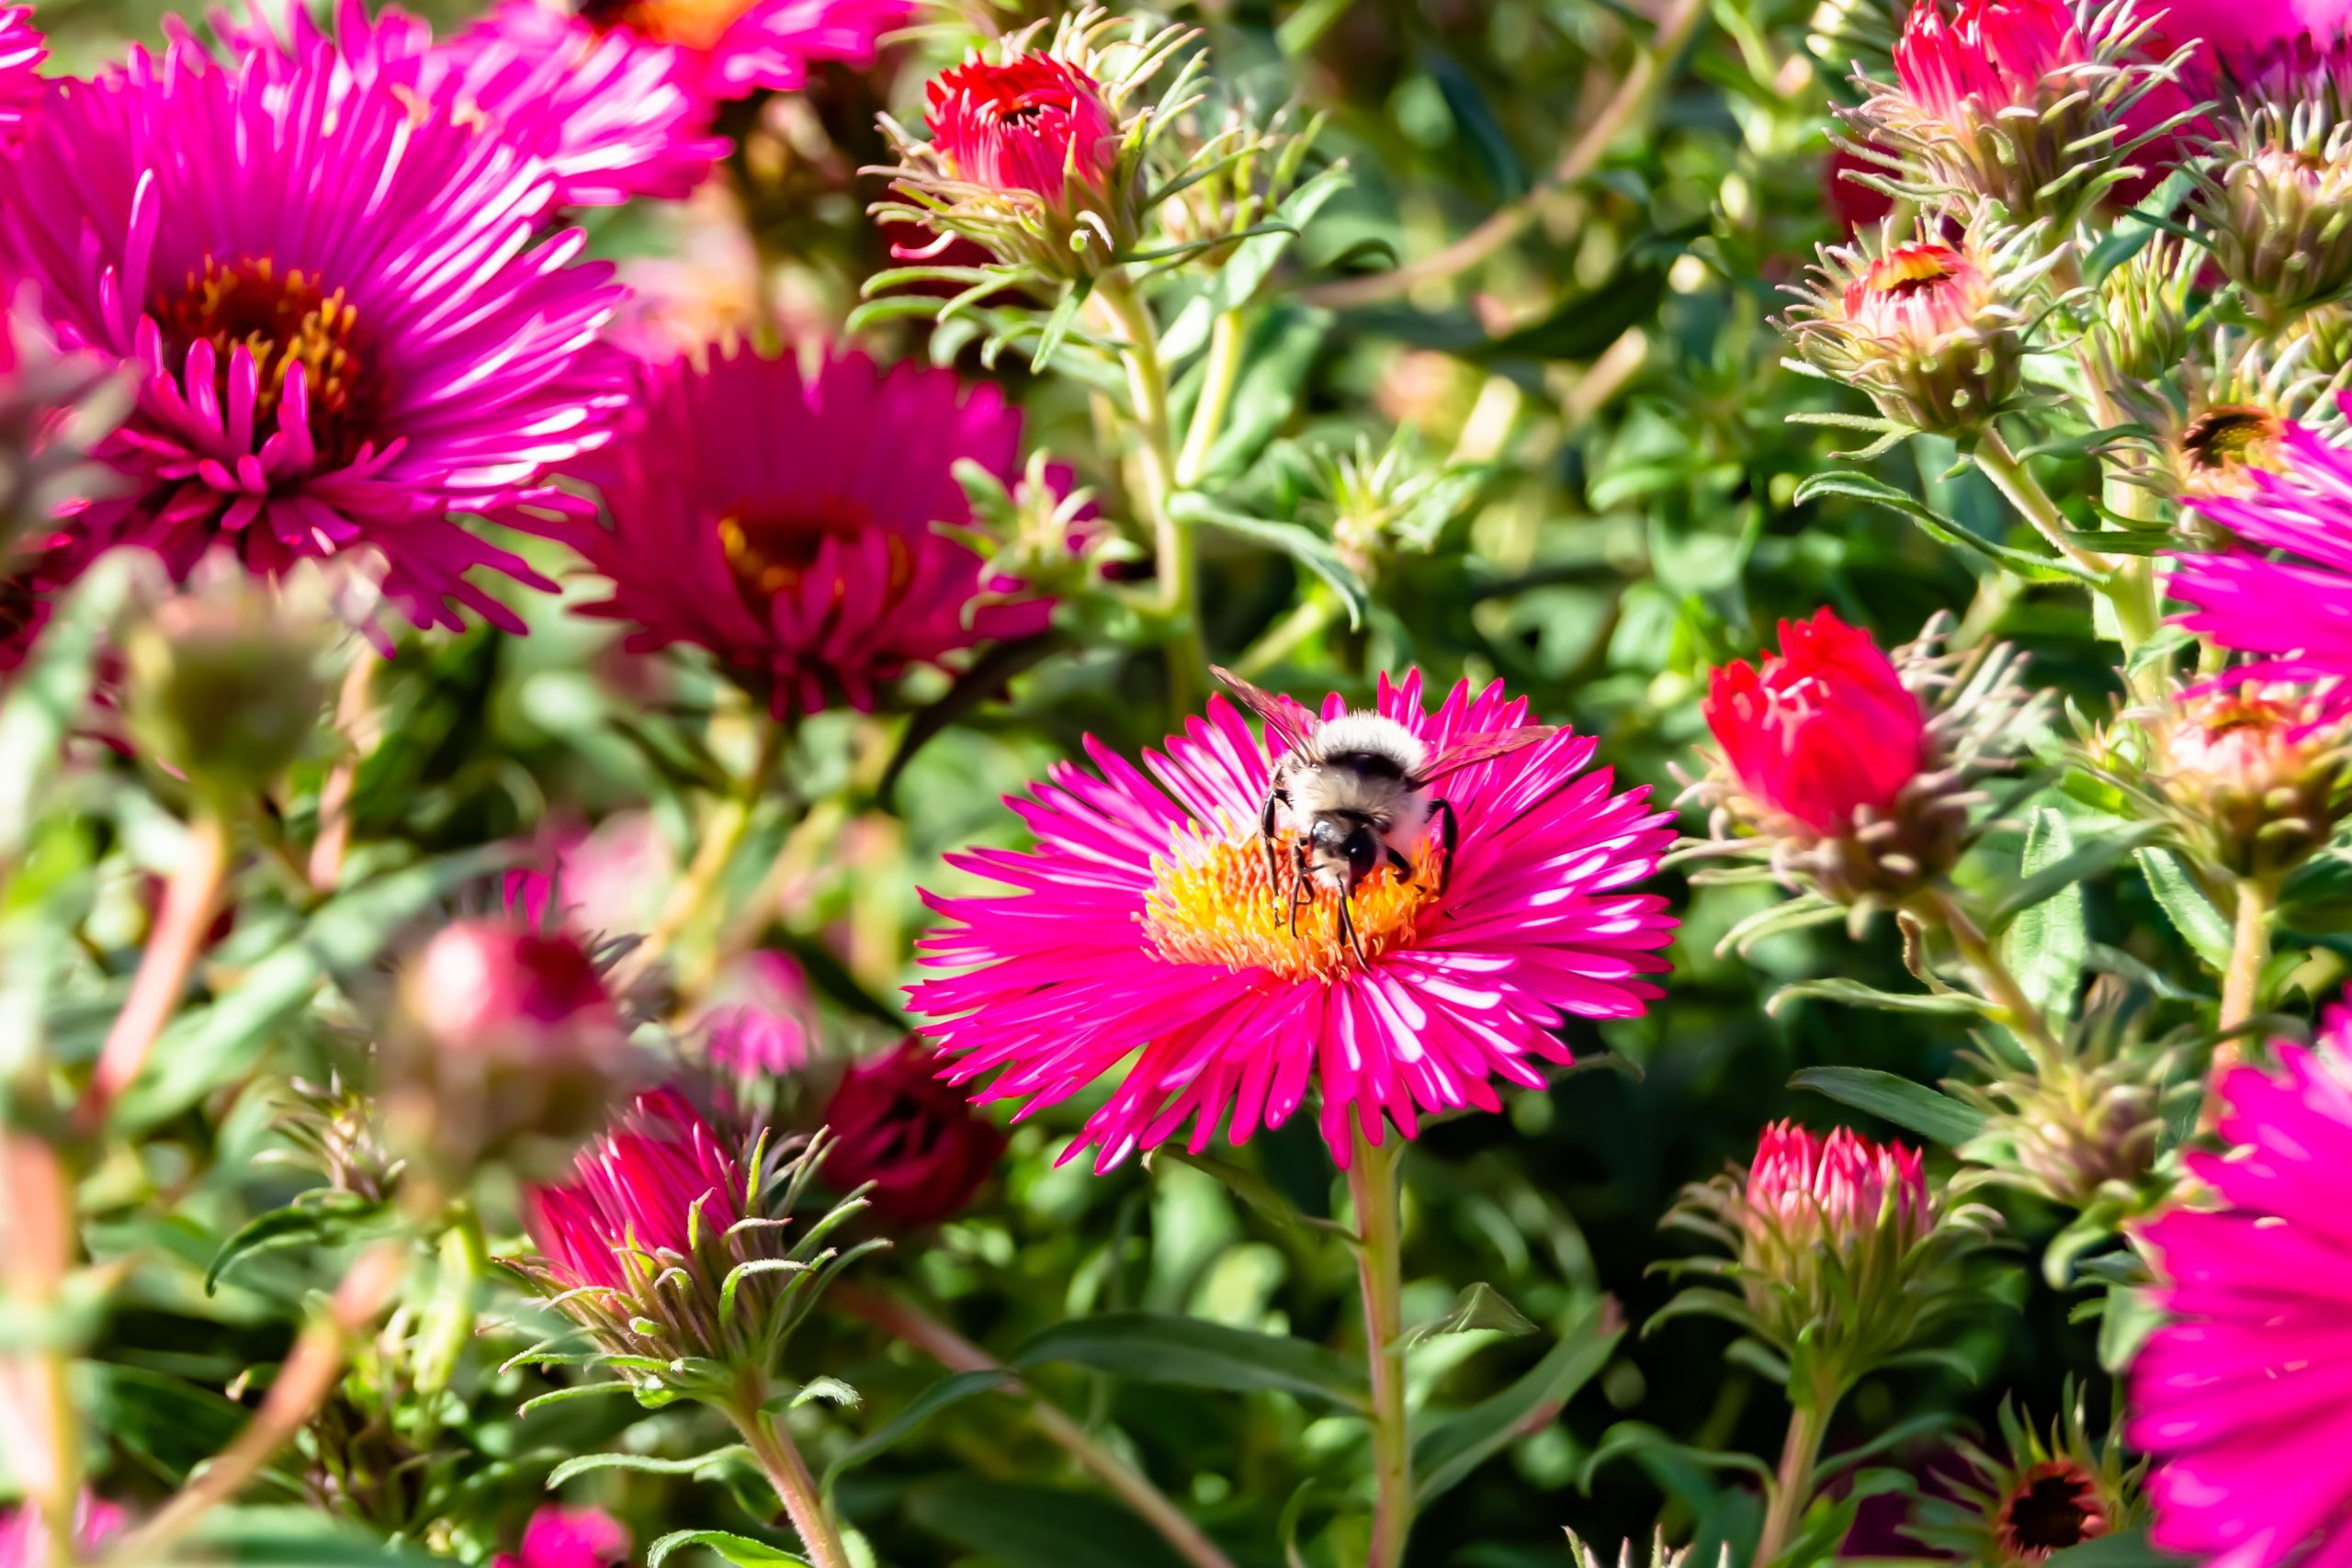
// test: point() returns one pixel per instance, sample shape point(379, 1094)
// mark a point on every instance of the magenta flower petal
point(634, 1191)
point(2298, 611)
point(1145, 923)
point(22, 48)
point(345, 325)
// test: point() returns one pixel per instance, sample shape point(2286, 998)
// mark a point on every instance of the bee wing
point(1291, 722)
point(1484, 748)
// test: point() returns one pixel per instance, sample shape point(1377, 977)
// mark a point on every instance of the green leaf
point(2128, 1549)
point(979, 683)
point(1449, 1451)
point(1265, 1200)
point(1058, 325)
point(1861, 486)
point(584, 1464)
point(49, 696)
point(2131, 1315)
point(329, 1218)
point(1853, 993)
point(2204, 928)
point(952, 1389)
point(740, 1550)
point(1479, 1306)
point(2049, 943)
point(1636, 1439)
point(297, 1537)
point(1897, 1099)
point(1302, 544)
point(1022, 1526)
point(1197, 1353)
point(2070, 870)
point(171, 1422)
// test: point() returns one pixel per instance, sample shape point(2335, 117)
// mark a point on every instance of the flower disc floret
point(1147, 923)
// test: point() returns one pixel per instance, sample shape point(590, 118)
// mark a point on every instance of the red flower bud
point(915, 1137)
point(1036, 123)
point(1997, 52)
point(1836, 1188)
point(1820, 731)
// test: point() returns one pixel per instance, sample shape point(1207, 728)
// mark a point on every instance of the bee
point(1355, 793)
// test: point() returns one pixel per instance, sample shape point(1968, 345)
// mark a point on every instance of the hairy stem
point(789, 1473)
point(304, 1382)
point(352, 709)
point(1792, 1483)
point(38, 1232)
point(1219, 375)
point(722, 836)
point(2015, 482)
point(950, 1349)
point(189, 899)
point(1173, 542)
point(2249, 950)
point(1373, 1182)
point(2000, 984)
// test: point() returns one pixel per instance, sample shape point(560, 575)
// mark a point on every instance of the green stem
point(1793, 1484)
point(789, 1473)
point(722, 836)
point(450, 1321)
point(2000, 986)
point(1303, 624)
point(2016, 482)
point(1220, 374)
point(2249, 950)
point(1373, 1183)
point(1173, 542)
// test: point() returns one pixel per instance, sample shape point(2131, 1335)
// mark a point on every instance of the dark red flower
point(1037, 123)
point(2054, 1505)
point(1821, 730)
point(915, 1137)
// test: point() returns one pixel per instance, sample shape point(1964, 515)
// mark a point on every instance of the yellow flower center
point(770, 547)
point(695, 24)
point(283, 320)
point(1213, 900)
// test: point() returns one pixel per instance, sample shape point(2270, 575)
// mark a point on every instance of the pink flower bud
point(1839, 1189)
point(1821, 731)
point(1997, 53)
point(1036, 123)
point(644, 1186)
point(916, 1138)
point(557, 1537)
point(486, 985)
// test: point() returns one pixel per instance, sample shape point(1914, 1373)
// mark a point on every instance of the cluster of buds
point(1038, 154)
point(2248, 776)
point(1380, 504)
point(2020, 102)
point(2038, 1495)
point(2238, 402)
point(681, 1258)
point(1843, 1256)
point(337, 1129)
point(504, 1042)
point(2274, 189)
point(1039, 535)
point(2140, 326)
point(1933, 333)
point(1246, 177)
point(1849, 774)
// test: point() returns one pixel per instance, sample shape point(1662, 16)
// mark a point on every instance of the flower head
point(784, 519)
point(762, 1021)
point(2239, 1396)
point(1846, 768)
point(668, 1245)
point(22, 48)
point(1036, 123)
point(342, 327)
point(2286, 610)
point(1151, 921)
point(1930, 331)
point(2275, 188)
point(909, 1136)
point(24, 1539)
point(2040, 1494)
point(1839, 1243)
point(2253, 771)
point(558, 1537)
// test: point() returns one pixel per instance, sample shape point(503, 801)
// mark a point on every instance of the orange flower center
point(1216, 900)
point(2221, 444)
point(770, 547)
point(692, 24)
point(282, 321)
point(1911, 269)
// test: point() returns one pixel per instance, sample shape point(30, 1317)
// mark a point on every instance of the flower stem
point(950, 1349)
point(1219, 375)
point(307, 1377)
point(789, 1473)
point(1373, 1183)
point(1793, 1485)
point(2000, 986)
point(1305, 621)
point(722, 836)
point(449, 1322)
point(2016, 482)
point(1173, 542)
point(2249, 950)
point(352, 709)
point(172, 949)
point(38, 1232)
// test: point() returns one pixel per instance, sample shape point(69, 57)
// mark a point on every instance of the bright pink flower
point(344, 325)
point(483, 981)
point(1821, 730)
point(1997, 52)
point(643, 1186)
point(1037, 123)
point(786, 522)
point(761, 1019)
point(22, 48)
point(24, 1539)
point(1840, 1186)
point(737, 47)
point(2230, 32)
point(1148, 922)
point(2292, 610)
point(604, 882)
point(910, 1133)
point(2245, 1398)
point(558, 1537)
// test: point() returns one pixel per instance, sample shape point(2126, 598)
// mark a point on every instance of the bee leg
point(1449, 834)
point(1348, 930)
point(1404, 867)
point(1266, 832)
point(1300, 890)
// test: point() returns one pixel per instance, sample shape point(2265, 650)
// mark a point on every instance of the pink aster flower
point(1036, 123)
point(1986, 55)
point(24, 1539)
point(344, 322)
point(2290, 610)
point(1148, 919)
point(784, 521)
point(635, 1190)
point(762, 1018)
point(22, 48)
point(1837, 1188)
point(2243, 1397)
point(558, 1537)
point(735, 47)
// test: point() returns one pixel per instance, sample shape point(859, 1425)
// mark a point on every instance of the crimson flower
point(913, 1136)
point(1036, 123)
point(1986, 55)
